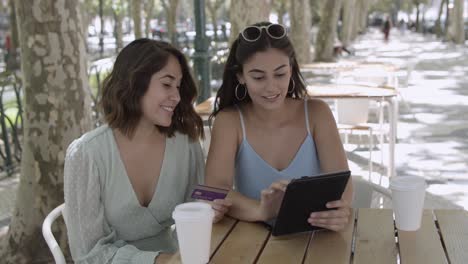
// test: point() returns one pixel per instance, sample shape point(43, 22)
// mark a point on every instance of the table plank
point(331, 247)
point(453, 226)
point(243, 244)
point(375, 237)
point(285, 249)
point(219, 232)
point(422, 246)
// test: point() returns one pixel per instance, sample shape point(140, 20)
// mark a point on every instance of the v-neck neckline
point(161, 172)
point(268, 164)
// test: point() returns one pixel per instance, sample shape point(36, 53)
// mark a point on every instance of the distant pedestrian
point(338, 48)
point(7, 47)
point(402, 26)
point(386, 28)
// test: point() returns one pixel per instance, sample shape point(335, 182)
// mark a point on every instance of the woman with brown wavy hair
point(123, 179)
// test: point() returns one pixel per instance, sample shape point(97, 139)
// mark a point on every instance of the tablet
point(306, 195)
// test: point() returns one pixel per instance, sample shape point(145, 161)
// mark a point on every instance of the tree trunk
point(459, 36)
point(85, 21)
point(327, 31)
point(364, 13)
point(57, 110)
point(423, 20)
point(136, 15)
point(438, 27)
point(13, 60)
point(356, 21)
point(13, 26)
point(170, 6)
point(118, 11)
point(418, 28)
point(316, 7)
point(149, 15)
point(101, 34)
point(212, 10)
point(118, 32)
point(360, 17)
point(283, 9)
point(300, 29)
point(247, 12)
point(447, 19)
point(348, 21)
point(3, 7)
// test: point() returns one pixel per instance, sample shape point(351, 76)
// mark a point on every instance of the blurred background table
point(343, 91)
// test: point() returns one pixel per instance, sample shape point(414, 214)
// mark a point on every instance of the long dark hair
point(240, 52)
point(124, 87)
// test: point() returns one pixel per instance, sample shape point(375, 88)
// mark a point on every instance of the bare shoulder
point(317, 105)
point(227, 118)
point(318, 110)
point(227, 124)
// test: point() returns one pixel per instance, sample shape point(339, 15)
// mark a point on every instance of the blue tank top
point(253, 173)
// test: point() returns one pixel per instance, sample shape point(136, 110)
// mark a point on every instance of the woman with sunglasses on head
point(124, 179)
point(266, 132)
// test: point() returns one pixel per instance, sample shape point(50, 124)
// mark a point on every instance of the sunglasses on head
point(253, 33)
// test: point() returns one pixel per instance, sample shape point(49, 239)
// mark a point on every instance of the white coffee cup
point(408, 201)
point(194, 222)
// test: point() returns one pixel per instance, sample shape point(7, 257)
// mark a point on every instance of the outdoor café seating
point(49, 236)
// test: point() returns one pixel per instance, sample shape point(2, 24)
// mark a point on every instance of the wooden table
point(205, 108)
point(370, 238)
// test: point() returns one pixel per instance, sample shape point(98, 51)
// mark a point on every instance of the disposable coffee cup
point(408, 201)
point(194, 222)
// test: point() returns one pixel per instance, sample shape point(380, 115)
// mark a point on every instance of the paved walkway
point(8, 188)
point(432, 128)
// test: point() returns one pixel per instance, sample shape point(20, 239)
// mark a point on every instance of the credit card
point(208, 193)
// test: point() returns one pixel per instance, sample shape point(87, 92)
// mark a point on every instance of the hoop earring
point(293, 88)
point(236, 94)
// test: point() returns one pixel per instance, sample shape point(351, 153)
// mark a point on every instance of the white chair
point(205, 144)
point(49, 237)
point(352, 116)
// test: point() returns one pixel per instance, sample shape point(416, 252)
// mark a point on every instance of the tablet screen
point(306, 195)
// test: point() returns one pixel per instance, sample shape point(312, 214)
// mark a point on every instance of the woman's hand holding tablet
point(335, 220)
point(271, 199)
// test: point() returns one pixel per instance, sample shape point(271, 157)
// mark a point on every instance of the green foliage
point(91, 7)
point(406, 5)
point(118, 6)
point(387, 6)
point(383, 6)
point(12, 114)
point(280, 5)
point(316, 7)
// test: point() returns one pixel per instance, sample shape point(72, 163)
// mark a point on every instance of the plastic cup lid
point(193, 210)
point(406, 183)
